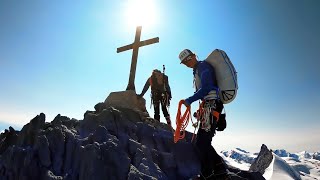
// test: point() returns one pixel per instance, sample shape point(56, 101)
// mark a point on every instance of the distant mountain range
point(285, 165)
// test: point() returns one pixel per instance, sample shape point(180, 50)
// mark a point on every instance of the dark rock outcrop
point(279, 167)
point(108, 143)
point(8, 138)
point(262, 161)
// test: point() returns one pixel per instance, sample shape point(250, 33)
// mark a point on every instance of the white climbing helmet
point(184, 54)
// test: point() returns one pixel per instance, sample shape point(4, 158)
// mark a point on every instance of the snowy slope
point(281, 170)
point(307, 164)
point(307, 167)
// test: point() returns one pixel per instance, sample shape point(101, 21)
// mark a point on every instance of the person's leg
point(203, 144)
point(212, 165)
point(165, 113)
point(156, 108)
point(218, 165)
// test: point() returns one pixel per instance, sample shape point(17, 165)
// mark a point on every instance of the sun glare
point(141, 13)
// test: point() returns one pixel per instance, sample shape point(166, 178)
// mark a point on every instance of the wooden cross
point(135, 46)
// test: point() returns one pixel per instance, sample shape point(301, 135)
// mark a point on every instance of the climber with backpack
point(216, 84)
point(160, 94)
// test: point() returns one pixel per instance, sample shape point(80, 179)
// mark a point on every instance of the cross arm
point(124, 48)
point(140, 44)
point(149, 41)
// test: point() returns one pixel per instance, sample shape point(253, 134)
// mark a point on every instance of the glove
point(139, 95)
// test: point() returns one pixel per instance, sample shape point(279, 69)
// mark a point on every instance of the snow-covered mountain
point(316, 156)
point(284, 153)
point(307, 164)
point(239, 158)
point(284, 165)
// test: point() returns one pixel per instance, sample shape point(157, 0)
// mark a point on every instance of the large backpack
point(158, 81)
point(160, 87)
point(226, 75)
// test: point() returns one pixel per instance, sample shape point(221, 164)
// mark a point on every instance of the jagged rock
point(19, 163)
point(166, 162)
point(42, 147)
point(31, 130)
point(262, 161)
point(56, 140)
point(8, 138)
point(109, 143)
point(70, 149)
point(99, 107)
point(134, 174)
point(186, 159)
point(150, 168)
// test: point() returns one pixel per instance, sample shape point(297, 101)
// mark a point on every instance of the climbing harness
point(206, 109)
point(203, 115)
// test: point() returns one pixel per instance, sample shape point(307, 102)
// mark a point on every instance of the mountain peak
point(112, 143)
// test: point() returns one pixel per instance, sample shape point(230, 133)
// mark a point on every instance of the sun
point(141, 13)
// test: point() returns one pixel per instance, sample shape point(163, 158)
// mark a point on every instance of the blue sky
point(60, 57)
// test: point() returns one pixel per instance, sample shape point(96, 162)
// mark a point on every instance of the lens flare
point(141, 13)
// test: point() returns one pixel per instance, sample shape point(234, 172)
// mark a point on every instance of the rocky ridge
point(109, 143)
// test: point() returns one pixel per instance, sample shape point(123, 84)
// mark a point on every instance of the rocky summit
point(109, 143)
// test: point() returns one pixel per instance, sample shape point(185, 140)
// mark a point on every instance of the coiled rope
point(181, 122)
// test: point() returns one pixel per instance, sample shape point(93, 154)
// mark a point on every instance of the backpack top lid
point(156, 71)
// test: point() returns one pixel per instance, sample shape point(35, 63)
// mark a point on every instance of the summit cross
point(135, 47)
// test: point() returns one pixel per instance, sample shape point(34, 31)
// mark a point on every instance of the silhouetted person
point(160, 94)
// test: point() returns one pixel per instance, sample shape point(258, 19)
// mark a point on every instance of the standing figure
point(212, 165)
point(160, 94)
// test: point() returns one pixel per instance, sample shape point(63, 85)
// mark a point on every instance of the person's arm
point(205, 74)
point(145, 88)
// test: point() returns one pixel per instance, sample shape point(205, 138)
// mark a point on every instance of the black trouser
point(158, 99)
point(210, 160)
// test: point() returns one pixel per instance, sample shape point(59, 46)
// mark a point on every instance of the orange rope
point(181, 122)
